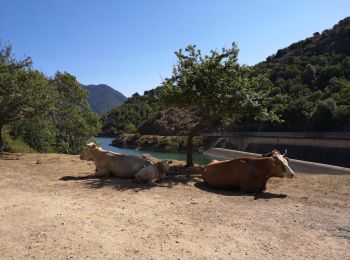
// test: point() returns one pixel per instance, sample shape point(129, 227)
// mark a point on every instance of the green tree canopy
point(49, 114)
point(67, 126)
point(24, 92)
point(74, 120)
point(216, 86)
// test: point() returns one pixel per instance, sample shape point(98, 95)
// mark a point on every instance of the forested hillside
point(307, 83)
point(310, 81)
point(135, 111)
point(103, 98)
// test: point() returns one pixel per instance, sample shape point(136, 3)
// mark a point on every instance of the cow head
point(164, 166)
point(281, 167)
point(88, 152)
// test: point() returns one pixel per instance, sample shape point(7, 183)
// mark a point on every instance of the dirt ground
point(51, 209)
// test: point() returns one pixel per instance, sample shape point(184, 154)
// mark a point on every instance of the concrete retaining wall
point(303, 135)
point(296, 165)
point(328, 148)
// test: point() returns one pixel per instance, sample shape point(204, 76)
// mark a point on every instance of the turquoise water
point(105, 144)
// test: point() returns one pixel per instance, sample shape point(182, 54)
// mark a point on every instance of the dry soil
point(52, 208)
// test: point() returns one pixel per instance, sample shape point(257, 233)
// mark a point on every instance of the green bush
point(16, 145)
point(130, 128)
point(168, 145)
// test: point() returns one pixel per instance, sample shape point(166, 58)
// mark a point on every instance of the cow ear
point(275, 151)
point(92, 145)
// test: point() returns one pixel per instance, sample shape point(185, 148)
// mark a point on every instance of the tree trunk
point(194, 132)
point(189, 144)
point(2, 146)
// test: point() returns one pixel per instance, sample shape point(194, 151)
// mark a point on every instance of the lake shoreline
point(157, 143)
point(106, 143)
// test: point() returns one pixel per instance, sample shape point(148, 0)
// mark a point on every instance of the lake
point(105, 144)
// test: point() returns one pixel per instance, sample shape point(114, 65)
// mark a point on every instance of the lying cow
point(152, 173)
point(109, 163)
point(247, 174)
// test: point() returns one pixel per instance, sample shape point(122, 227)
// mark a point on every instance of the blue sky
point(130, 45)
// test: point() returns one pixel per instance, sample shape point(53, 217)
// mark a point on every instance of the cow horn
point(285, 152)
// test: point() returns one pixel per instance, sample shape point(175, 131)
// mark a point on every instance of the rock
point(39, 161)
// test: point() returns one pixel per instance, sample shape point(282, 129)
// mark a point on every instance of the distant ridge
point(103, 98)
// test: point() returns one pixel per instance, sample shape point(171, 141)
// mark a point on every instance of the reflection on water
point(105, 144)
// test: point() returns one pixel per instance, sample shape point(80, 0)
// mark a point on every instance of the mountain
point(307, 85)
point(103, 98)
point(309, 82)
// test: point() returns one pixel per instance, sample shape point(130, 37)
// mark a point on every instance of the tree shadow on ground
point(123, 184)
point(264, 195)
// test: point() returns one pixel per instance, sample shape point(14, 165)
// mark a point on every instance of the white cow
point(109, 163)
point(152, 173)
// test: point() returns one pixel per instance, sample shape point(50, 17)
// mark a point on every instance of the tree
point(324, 115)
point(68, 125)
point(72, 116)
point(216, 86)
point(24, 93)
point(39, 133)
point(49, 114)
point(309, 75)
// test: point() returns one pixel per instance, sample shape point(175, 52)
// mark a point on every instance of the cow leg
point(246, 184)
point(152, 181)
point(139, 179)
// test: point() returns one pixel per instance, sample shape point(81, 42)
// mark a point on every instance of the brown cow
point(247, 174)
